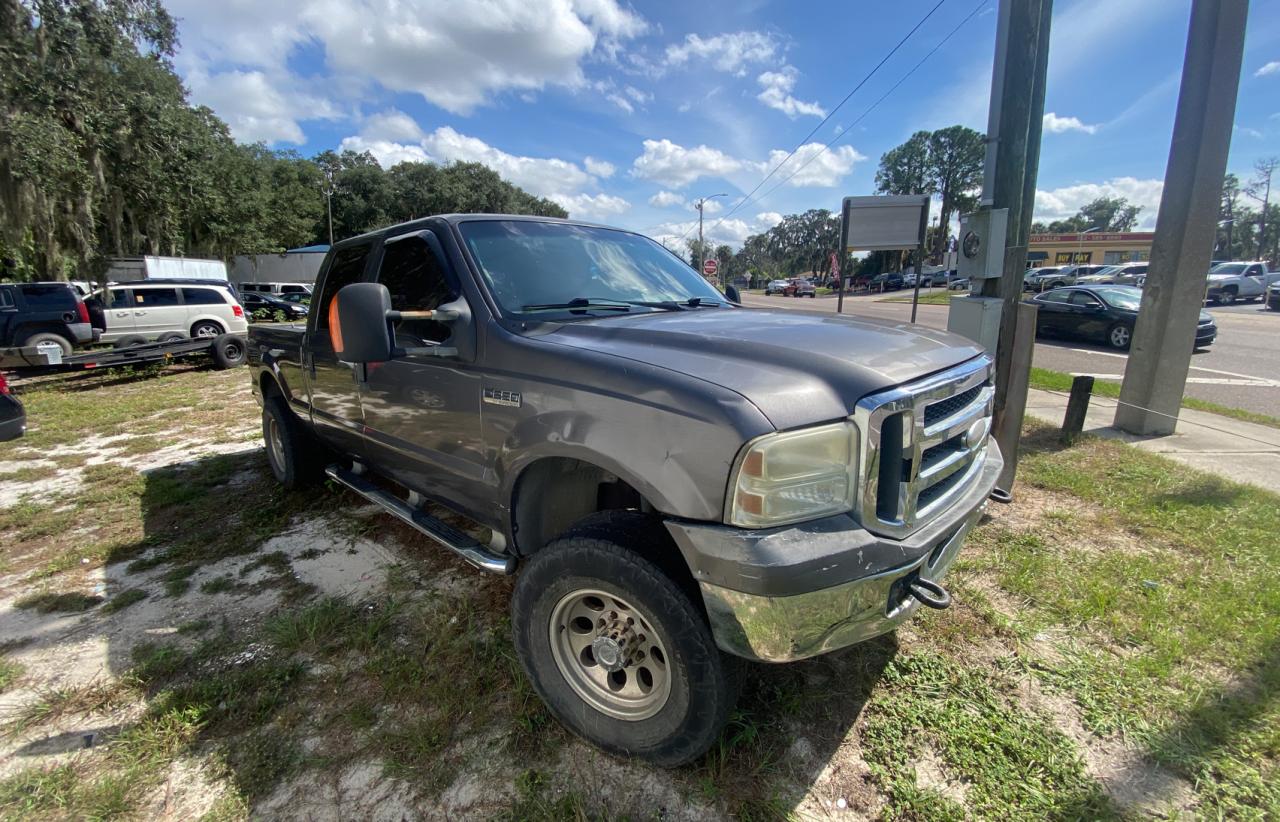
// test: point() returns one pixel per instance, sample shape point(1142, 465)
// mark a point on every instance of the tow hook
point(930, 593)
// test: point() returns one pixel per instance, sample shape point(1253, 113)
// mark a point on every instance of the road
point(1239, 370)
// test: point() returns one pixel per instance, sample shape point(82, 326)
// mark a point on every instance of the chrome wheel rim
point(610, 654)
point(206, 331)
point(1120, 336)
point(275, 444)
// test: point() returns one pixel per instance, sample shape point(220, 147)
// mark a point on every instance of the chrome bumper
point(785, 629)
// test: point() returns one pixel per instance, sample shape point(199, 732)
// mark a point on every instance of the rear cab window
point(347, 267)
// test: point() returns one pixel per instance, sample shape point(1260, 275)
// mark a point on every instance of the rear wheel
point(48, 340)
point(617, 648)
point(296, 458)
point(206, 328)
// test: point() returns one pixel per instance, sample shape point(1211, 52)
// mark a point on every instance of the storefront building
point(1094, 248)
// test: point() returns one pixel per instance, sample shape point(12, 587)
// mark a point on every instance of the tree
point(1227, 213)
point(1104, 214)
point(905, 169)
point(955, 163)
point(1261, 182)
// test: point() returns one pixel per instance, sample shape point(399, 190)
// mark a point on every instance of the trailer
point(227, 351)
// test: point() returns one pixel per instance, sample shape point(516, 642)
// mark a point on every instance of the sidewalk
point(1232, 449)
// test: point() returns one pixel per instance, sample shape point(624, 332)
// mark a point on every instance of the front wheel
point(1227, 296)
point(617, 649)
point(1120, 336)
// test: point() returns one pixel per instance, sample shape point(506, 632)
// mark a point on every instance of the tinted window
point(6, 298)
point(292, 289)
point(155, 297)
point(417, 282)
point(202, 296)
point(48, 297)
point(1082, 298)
point(119, 298)
point(347, 268)
point(1056, 296)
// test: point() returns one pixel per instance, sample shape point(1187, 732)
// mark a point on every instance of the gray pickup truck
point(676, 479)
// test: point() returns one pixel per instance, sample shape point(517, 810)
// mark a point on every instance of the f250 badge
point(495, 396)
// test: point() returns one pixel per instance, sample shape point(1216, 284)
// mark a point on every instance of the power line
point(831, 114)
point(882, 98)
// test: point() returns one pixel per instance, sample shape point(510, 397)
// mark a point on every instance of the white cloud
point(392, 124)
point(1249, 132)
point(1057, 125)
point(621, 102)
point(710, 207)
point(1270, 68)
point(256, 108)
point(541, 176)
point(768, 219)
point(598, 168)
point(591, 206)
point(776, 93)
point(666, 199)
point(387, 152)
point(730, 53)
point(675, 166)
point(457, 54)
point(1061, 203)
point(733, 231)
point(812, 166)
point(636, 94)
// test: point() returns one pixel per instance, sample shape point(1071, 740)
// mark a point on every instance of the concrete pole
point(702, 249)
point(1156, 374)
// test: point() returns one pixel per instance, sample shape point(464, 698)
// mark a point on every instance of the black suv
point(43, 314)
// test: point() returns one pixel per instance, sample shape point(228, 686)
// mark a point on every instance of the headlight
point(794, 476)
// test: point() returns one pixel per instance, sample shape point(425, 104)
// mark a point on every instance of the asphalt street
point(1240, 370)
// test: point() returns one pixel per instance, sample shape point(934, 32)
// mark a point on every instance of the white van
point(158, 310)
point(277, 289)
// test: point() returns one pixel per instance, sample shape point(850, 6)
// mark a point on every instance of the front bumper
point(789, 593)
point(1205, 334)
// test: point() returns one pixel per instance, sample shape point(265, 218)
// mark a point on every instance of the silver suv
point(167, 310)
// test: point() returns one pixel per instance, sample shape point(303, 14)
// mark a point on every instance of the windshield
point(534, 266)
point(1125, 297)
point(1228, 268)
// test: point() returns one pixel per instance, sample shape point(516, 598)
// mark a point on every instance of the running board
point(443, 533)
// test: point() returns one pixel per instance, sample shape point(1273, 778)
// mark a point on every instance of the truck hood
point(798, 368)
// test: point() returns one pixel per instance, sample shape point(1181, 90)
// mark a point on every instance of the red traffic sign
point(709, 267)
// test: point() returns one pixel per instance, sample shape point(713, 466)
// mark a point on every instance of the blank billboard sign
point(885, 223)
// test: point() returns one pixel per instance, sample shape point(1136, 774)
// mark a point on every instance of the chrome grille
point(923, 444)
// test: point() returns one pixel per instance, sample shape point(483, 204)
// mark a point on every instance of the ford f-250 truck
point(674, 477)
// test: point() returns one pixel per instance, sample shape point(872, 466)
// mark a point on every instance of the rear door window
point(119, 298)
point(155, 297)
point(1083, 298)
point(347, 268)
point(6, 298)
point(202, 296)
point(1055, 296)
point(41, 297)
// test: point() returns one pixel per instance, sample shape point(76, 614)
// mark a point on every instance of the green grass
point(124, 599)
point(1174, 628)
point(931, 298)
point(10, 673)
point(1048, 380)
point(68, 602)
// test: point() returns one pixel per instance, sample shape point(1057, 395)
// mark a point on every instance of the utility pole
point(1265, 168)
point(1014, 124)
point(1156, 374)
point(328, 199)
point(702, 248)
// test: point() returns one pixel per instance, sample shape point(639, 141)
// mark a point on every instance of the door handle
point(139, 313)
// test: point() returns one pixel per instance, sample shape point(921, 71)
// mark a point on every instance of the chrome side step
point(443, 533)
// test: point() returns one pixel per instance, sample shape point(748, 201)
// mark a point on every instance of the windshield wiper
point(580, 303)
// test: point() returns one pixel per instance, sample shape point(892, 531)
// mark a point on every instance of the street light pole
point(328, 200)
point(702, 248)
point(1080, 244)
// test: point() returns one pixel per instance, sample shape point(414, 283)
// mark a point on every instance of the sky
point(627, 113)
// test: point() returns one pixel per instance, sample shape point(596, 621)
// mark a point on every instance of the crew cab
point(675, 479)
point(1229, 282)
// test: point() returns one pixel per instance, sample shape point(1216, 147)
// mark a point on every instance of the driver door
point(422, 412)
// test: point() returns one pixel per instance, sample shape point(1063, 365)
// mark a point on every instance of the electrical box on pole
point(982, 243)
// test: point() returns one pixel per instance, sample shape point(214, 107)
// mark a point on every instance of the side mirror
point(358, 323)
point(731, 291)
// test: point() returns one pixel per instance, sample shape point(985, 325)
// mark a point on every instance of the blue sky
point(625, 113)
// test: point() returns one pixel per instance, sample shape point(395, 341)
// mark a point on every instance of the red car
point(799, 288)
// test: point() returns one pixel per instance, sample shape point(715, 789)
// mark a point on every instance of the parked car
point(959, 284)
point(926, 279)
point(296, 297)
point(169, 309)
point(1126, 274)
point(887, 282)
point(13, 417)
point(1273, 297)
point(1038, 279)
point(669, 478)
point(1229, 282)
point(43, 314)
point(775, 287)
point(254, 302)
point(797, 287)
point(1105, 313)
point(276, 289)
